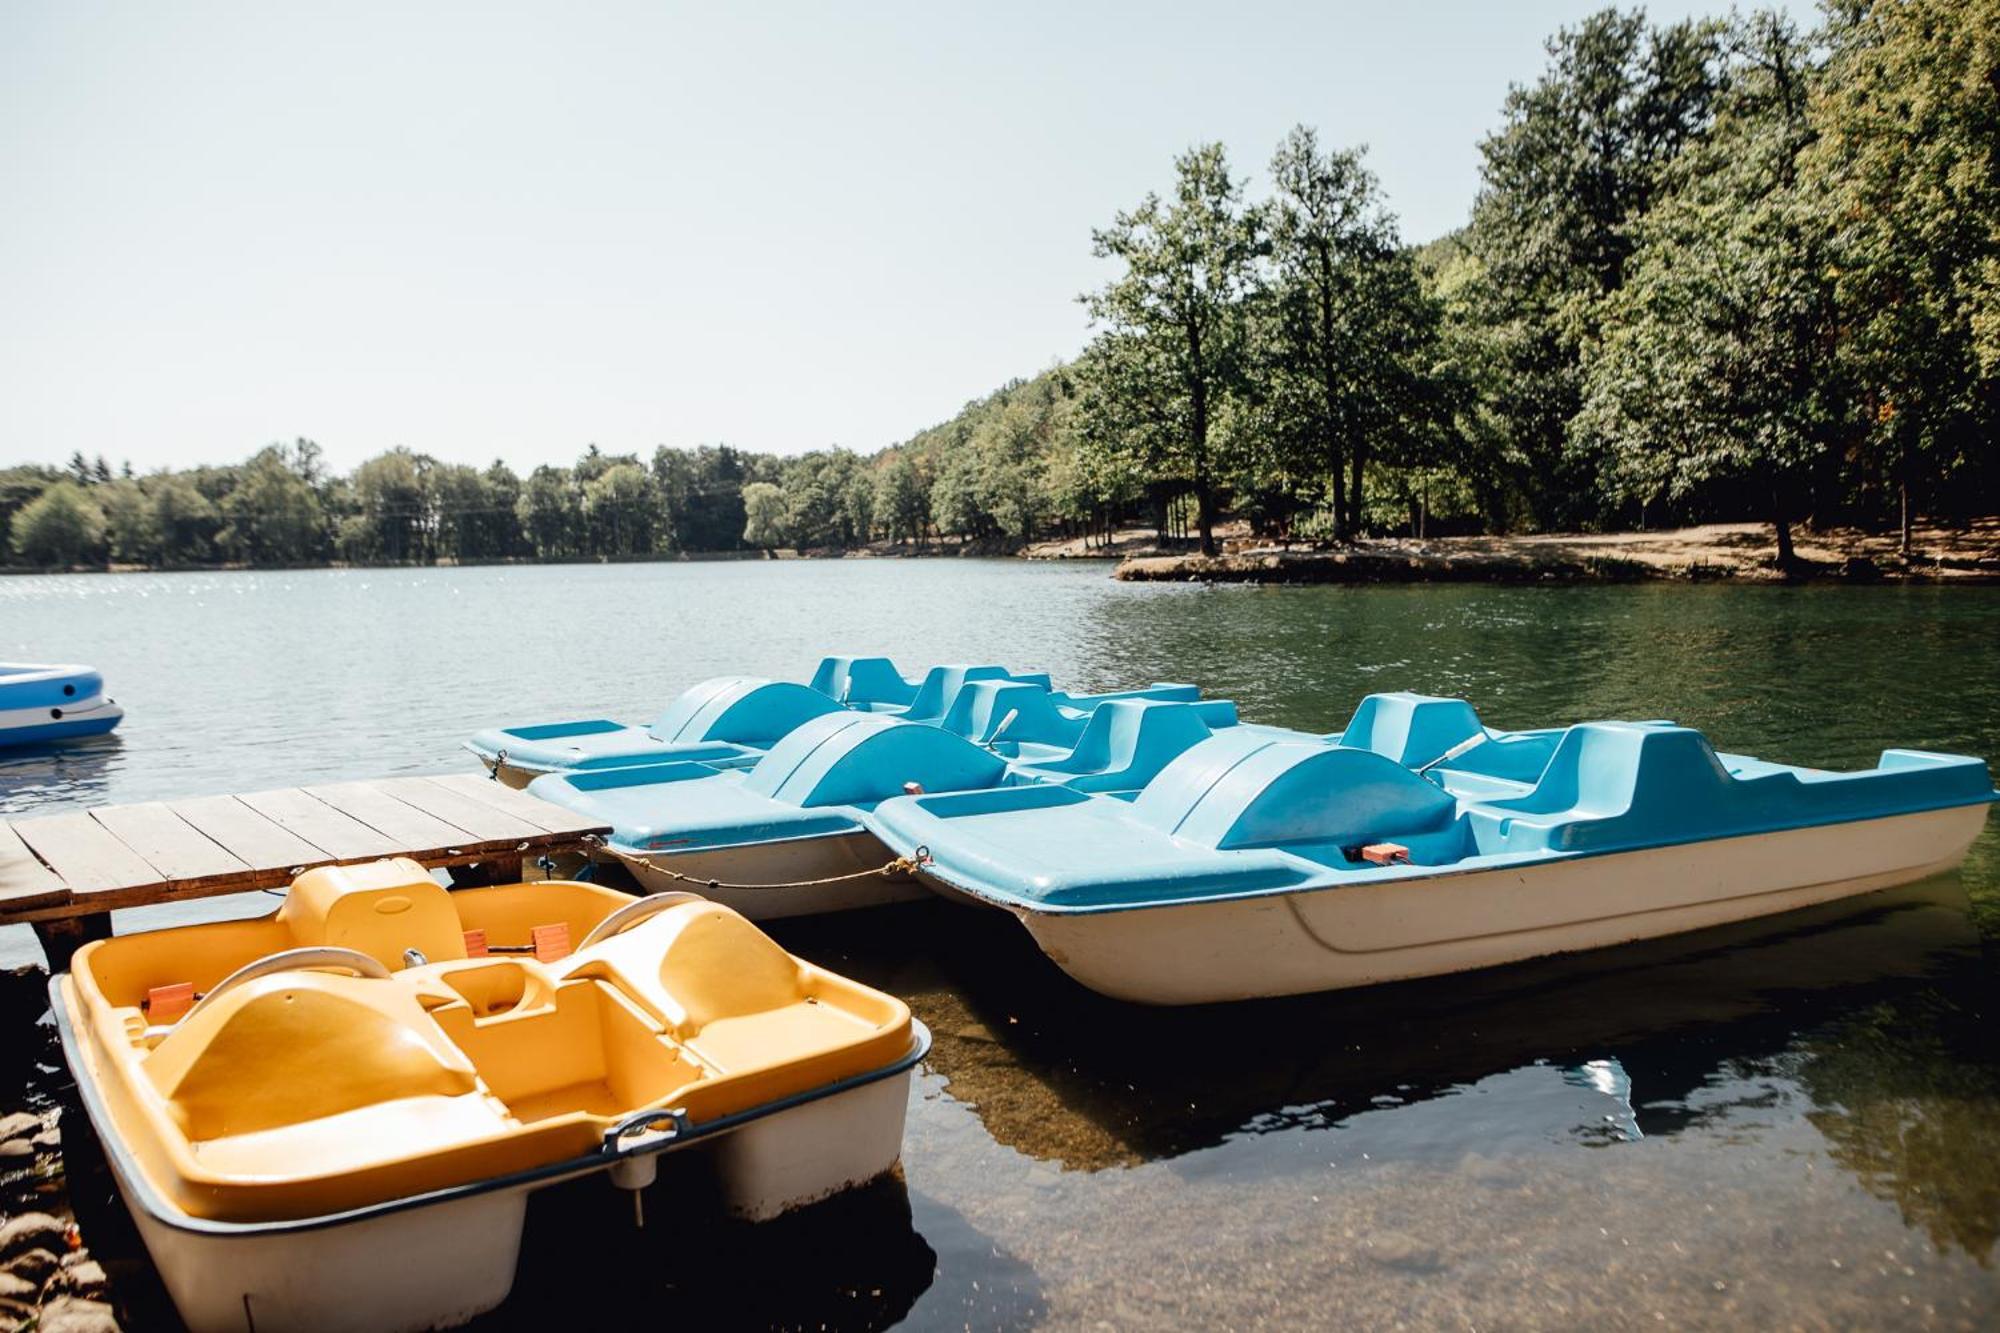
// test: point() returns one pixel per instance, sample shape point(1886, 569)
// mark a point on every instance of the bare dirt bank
point(1740, 551)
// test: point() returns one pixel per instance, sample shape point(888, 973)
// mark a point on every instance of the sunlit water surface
point(1792, 1124)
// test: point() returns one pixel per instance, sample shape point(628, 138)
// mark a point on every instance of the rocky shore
point(48, 1281)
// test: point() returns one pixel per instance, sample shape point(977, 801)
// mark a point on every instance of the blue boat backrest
point(860, 682)
point(1240, 790)
point(1411, 729)
point(942, 684)
point(1633, 784)
point(1127, 742)
point(1027, 710)
point(849, 758)
point(743, 710)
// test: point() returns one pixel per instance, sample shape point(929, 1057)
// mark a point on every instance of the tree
point(1346, 317)
point(187, 519)
point(393, 493)
point(274, 517)
point(764, 508)
point(1176, 322)
point(1715, 363)
point(621, 509)
point(1907, 161)
point(1582, 156)
point(903, 498)
point(60, 527)
point(550, 512)
point(132, 529)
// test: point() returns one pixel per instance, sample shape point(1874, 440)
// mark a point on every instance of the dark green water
point(1789, 1124)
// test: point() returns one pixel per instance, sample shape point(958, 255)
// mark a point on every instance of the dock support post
point(62, 936)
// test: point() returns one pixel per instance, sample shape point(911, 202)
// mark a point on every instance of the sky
point(509, 230)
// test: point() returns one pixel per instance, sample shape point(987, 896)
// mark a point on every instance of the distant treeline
point(1716, 270)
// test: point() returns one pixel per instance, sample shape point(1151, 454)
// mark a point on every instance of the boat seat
point(1125, 744)
point(1411, 729)
point(942, 684)
point(740, 1004)
point(298, 1046)
point(382, 909)
point(1011, 712)
point(863, 683)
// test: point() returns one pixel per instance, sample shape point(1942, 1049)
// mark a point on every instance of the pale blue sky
point(504, 229)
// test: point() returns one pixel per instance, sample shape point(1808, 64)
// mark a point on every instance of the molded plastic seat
point(1411, 729)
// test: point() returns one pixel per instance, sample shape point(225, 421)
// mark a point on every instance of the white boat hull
point(784, 865)
point(1372, 932)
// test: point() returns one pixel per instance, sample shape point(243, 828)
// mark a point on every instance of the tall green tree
point(1351, 338)
point(1582, 155)
point(60, 527)
point(764, 515)
point(273, 514)
point(1907, 164)
point(1176, 323)
point(1716, 363)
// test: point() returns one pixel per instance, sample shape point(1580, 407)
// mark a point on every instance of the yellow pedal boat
point(332, 1117)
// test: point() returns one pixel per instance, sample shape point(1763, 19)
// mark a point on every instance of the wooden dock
point(65, 873)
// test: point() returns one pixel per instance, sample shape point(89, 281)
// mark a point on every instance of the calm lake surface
point(1792, 1124)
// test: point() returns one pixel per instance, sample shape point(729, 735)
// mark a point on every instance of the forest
point(1725, 269)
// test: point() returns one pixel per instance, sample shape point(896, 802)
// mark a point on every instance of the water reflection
point(38, 777)
point(1864, 1012)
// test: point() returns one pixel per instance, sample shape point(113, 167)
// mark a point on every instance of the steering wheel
point(632, 913)
point(287, 960)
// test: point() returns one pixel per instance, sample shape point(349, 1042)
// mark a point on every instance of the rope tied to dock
point(895, 865)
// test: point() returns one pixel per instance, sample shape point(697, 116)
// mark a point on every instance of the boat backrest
point(942, 684)
point(1127, 742)
point(381, 909)
point(1636, 784)
point(741, 710)
point(1411, 729)
point(860, 758)
point(301, 1046)
point(859, 682)
point(1238, 790)
point(981, 706)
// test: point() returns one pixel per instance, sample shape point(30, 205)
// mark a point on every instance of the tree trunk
point(1203, 519)
point(1904, 543)
point(1354, 493)
point(1779, 520)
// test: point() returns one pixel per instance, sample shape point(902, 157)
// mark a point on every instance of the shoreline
point(1732, 552)
point(1736, 552)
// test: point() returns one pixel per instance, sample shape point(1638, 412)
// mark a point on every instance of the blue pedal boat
point(788, 836)
point(730, 721)
point(1252, 866)
point(40, 703)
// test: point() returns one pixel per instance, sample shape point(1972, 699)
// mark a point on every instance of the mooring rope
point(896, 865)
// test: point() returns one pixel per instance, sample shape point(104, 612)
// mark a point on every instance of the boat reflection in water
point(1865, 1011)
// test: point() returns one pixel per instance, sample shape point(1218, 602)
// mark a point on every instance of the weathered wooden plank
point(544, 815)
point(88, 856)
point(374, 805)
point(172, 846)
point(247, 835)
point(341, 837)
point(24, 881)
point(484, 822)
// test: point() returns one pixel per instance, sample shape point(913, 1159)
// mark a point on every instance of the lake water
point(1792, 1124)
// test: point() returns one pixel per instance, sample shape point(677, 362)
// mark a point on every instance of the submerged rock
point(73, 1314)
point(32, 1231)
point(34, 1267)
